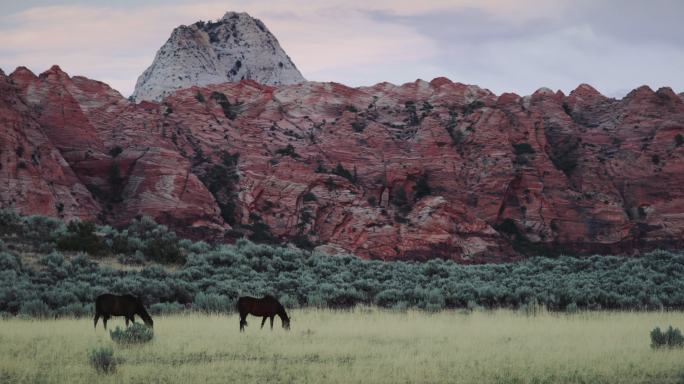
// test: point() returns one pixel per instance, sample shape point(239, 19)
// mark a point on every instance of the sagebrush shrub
point(672, 338)
point(211, 303)
point(103, 360)
point(34, 308)
point(135, 334)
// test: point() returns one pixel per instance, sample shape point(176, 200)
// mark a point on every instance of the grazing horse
point(267, 307)
point(108, 305)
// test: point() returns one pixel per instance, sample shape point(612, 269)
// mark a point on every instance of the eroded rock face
point(34, 176)
point(114, 149)
point(421, 170)
point(237, 47)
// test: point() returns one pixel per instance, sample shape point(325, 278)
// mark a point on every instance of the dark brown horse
point(108, 305)
point(266, 307)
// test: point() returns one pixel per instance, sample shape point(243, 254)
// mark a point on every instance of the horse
point(108, 305)
point(267, 307)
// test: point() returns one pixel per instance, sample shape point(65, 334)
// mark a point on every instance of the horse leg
point(126, 321)
point(133, 319)
point(104, 321)
point(97, 317)
point(243, 322)
point(272, 322)
point(263, 321)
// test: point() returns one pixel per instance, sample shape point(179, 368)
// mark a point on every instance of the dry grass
point(362, 346)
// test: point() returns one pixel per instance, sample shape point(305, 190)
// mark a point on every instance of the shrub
point(473, 106)
point(115, 151)
point(166, 308)
point(522, 148)
point(341, 171)
point(679, 140)
point(76, 310)
point(9, 262)
point(309, 196)
point(388, 298)
point(229, 110)
point(199, 97)
point(672, 338)
point(358, 126)
point(210, 303)
point(80, 236)
point(410, 108)
point(287, 151)
point(422, 188)
point(102, 359)
point(164, 249)
point(34, 308)
point(135, 334)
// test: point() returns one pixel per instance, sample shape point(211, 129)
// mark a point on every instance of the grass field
point(361, 346)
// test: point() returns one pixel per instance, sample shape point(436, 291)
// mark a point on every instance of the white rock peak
point(236, 47)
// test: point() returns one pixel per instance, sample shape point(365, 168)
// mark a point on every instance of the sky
point(503, 45)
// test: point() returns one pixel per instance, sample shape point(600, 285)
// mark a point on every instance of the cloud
point(498, 44)
point(574, 42)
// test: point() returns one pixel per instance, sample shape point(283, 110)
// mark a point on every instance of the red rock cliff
point(422, 170)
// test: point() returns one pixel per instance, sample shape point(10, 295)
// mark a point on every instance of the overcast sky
point(503, 45)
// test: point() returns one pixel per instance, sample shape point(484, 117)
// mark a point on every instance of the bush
point(164, 250)
point(679, 140)
point(34, 308)
point(102, 359)
point(522, 148)
point(80, 236)
point(672, 338)
point(115, 151)
point(287, 151)
point(166, 308)
point(76, 310)
point(211, 303)
point(135, 334)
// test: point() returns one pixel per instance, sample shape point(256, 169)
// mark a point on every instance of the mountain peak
point(236, 47)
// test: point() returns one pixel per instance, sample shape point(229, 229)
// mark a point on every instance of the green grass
point(366, 345)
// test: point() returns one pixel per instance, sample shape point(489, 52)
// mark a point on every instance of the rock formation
point(421, 170)
point(237, 47)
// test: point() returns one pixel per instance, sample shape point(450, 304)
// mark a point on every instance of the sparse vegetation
point(221, 179)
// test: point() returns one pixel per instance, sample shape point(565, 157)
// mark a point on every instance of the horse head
point(142, 312)
point(284, 318)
